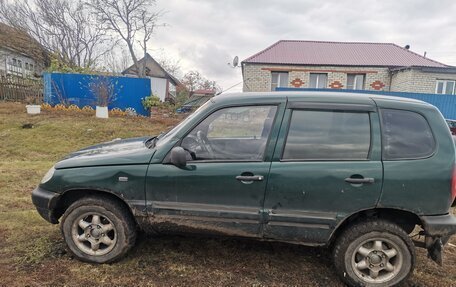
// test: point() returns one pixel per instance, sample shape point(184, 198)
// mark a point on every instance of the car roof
point(324, 95)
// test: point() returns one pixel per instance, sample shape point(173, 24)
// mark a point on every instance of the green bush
point(151, 101)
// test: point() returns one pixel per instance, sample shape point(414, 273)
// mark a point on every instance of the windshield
point(164, 137)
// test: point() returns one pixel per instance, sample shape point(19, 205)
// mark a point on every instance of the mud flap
point(437, 231)
point(435, 246)
point(435, 250)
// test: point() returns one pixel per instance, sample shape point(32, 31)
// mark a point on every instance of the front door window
point(231, 134)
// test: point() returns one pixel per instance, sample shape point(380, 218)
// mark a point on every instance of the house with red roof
point(346, 65)
point(197, 99)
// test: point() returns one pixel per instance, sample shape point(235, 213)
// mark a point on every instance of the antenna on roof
point(235, 62)
point(407, 47)
point(242, 82)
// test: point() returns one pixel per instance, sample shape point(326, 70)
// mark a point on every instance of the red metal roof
point(204, 92)
point(340, 54)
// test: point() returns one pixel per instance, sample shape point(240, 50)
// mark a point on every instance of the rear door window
point(327, 135)
point(406, 135)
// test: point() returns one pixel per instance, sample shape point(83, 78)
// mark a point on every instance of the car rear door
point(326, 166)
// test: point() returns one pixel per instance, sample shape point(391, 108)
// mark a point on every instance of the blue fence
point(79, 89)
point(445, 103)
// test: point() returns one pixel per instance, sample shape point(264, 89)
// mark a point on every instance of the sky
point(206, 35)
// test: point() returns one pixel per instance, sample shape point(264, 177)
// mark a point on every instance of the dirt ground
point(32, 252)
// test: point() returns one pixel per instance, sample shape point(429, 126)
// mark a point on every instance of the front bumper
point(45, 203)
point(437, 231)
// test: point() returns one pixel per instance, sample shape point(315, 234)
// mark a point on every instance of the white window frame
point(445, 82)
point(13, 67)
point(355, 81)
point(318, 80)
point(279, 79)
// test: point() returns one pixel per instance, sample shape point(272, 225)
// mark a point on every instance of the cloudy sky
point(205, 35)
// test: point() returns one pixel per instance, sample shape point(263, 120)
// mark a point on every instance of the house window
point(355, 81)
point(15, 67)
point(278, 80)
point(445, 87)
point(318, 81)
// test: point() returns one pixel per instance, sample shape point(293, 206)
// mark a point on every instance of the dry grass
point(32, 251)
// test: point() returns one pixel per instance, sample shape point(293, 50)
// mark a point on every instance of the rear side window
point(406, 135)
point(328, 135)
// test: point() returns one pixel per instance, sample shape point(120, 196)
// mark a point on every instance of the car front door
point(327, 165)
point(221, 189)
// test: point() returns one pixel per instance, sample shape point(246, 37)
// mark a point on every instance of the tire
point(369, 247)
point(98, 229)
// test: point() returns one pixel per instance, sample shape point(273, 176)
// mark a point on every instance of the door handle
point(360, 180)
point(249, 177)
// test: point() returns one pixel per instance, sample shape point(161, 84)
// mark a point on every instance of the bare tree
point(116, 61)
point(171, 66)
point(130, 20)
point(193, 80)
point(105, 89)
point(61, 26)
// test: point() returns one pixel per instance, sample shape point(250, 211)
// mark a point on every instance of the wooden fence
point(17, 89)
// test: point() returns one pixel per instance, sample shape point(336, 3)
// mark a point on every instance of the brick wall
point(257, 77)
point(416, 81)
point(400, 81)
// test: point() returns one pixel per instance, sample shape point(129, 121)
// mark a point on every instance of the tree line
point(85, 35)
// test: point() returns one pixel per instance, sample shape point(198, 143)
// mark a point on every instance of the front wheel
point(98, 230)
point(374, 253)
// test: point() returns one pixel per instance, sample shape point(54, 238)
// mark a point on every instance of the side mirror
point(178, 157)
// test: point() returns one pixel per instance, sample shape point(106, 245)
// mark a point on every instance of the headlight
point(48, 175)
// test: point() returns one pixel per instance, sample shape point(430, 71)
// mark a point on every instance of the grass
point(33, 253)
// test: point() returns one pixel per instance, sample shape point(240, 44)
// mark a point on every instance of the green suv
point(355, 173)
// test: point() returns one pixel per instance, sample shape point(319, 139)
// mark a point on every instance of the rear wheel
point(98, 230)
point(374, 253)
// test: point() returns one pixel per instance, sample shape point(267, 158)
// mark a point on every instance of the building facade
point(342, 65)
point(162, 83)
point(424, 80)
point(15, 63)
point(20, 54)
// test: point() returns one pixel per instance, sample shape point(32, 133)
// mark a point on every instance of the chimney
point(407, 47)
